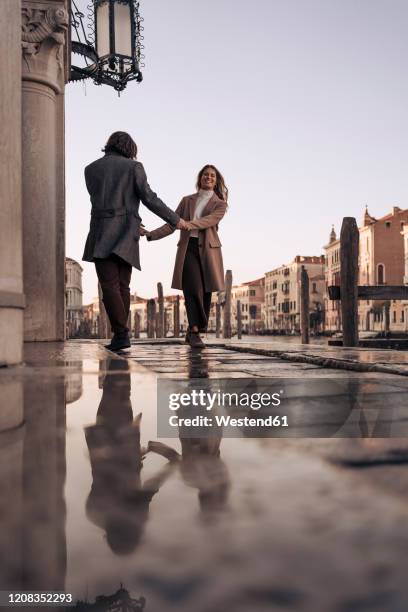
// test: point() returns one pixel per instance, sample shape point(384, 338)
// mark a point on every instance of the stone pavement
point(321, 355)
point(357, 359)
point(258, 525)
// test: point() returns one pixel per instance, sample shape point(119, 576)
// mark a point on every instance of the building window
point(394, 316)
point(252, 292)
point(314, 290)
point(252, 311)
point(380, 274)
point(388, 224)
point(402, 316)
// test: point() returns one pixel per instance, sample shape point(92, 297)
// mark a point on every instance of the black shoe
point(195, 341)
point(119, 342)
point(187, 338)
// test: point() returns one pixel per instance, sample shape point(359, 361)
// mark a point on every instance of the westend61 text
point(227, 421)
point(207, 400)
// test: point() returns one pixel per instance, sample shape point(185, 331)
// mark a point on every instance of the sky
point(302, 105)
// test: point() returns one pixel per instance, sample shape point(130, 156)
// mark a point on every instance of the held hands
point(183, 225)
point(144, 232)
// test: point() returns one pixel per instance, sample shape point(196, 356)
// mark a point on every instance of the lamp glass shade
point(123, 30)
point(102, 30)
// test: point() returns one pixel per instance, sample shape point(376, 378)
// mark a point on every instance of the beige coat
point(208, 241)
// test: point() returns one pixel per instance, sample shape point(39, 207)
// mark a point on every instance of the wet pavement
point(91, 498)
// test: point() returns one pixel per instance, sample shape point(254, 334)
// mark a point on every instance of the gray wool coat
point(116, 186)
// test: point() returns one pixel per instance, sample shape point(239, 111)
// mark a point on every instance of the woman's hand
point(182, 224)
point(143, 231)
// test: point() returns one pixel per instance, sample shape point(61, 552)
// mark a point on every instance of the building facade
point(332, 308)
point(251, 296)
point(382, 248)
point(138, 312)
point(74, 314)
point(282, 295)
point(381, 262)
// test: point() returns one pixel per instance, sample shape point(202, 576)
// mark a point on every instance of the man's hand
point(182, 225)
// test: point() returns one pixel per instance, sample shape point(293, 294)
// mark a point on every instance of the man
point(116, 184)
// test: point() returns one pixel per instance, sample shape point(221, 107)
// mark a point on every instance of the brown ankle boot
point(195, 340)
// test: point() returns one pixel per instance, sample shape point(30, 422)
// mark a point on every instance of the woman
point(199, 269)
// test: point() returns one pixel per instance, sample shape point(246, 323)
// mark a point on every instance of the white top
point(204, 196)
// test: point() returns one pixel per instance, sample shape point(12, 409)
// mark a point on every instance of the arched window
point(380, 274)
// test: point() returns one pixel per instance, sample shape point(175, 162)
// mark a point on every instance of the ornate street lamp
point(112, 47)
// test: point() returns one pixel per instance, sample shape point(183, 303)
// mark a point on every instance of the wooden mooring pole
point(227, 333)
point(304, 305)
point(386, 315)
point(176, 317)
point(160, 318)
point(239, 320)
point(217, 320)
point(136, 328)
point(151, 318)
point(349, 239)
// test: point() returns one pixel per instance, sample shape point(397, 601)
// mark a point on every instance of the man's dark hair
point(122, 143)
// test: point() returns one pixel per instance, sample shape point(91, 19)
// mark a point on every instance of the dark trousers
point(114, 274)
point(197, 299)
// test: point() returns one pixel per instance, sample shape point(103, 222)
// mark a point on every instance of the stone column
point(44, 72)
point(11, 262)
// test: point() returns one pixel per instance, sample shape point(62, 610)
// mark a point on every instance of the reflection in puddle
point(90, 500)
point(32, 478)
point(119, 502)
point(120, 498)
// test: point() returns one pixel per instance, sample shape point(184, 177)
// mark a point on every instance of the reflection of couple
point(116, 184)
point(119, 500)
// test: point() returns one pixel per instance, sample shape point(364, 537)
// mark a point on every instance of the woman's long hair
point(220, 187)
point(122, 143)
